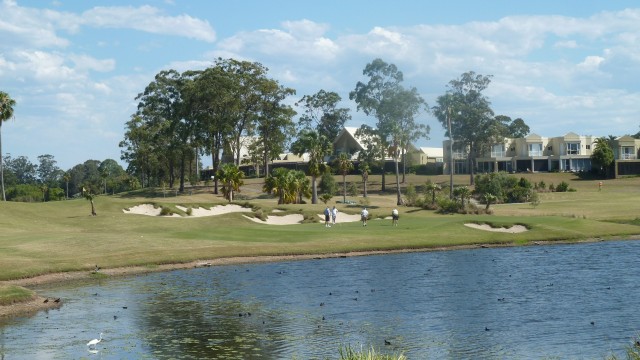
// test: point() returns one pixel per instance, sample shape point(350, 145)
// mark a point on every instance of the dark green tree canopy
point(321, 113)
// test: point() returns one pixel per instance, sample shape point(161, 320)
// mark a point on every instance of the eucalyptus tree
point(212, 102)
point(22, 169)
point(468, 112)
point(393, 106)
point(321, 113)
point(374, 151)
point(317, 147)
point(48, 172)
point(162, 104)
point(274, 126)
point(344, 166)
point(248, 78)
point(6, 113)
point(138, 149)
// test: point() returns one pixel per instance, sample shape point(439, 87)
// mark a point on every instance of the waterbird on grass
point(94, 342)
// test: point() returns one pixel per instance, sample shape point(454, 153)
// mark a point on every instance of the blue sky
point(75, 67)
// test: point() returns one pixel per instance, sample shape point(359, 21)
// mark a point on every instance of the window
point(628, 153)
point(497, 150)
point(535, 149)
point(573, 148)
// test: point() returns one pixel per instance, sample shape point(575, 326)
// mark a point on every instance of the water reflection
point(560, 301)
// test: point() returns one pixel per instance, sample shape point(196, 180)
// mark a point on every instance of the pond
point(557, 301)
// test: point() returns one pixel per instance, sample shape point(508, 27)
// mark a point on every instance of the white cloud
point(85, 62)
point(149, 19)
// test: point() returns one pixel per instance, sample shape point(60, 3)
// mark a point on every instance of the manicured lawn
point(51, 237)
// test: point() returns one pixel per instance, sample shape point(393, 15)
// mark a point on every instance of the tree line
point(234, 104)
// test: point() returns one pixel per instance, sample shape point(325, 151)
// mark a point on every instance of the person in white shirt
point(364, 216)
point(334, 215)
point(394, 217)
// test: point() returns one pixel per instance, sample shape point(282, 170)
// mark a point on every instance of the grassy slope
point(60, 236)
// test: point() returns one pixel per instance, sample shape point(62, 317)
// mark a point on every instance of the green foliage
point(411, 196)
point(24, 193)
point(602, 156)
point(328, 184)
point(231, 177)
point(448, 206)
point(352, 189)
point(506, 188)
point(562, 187)
point(534, 198)
point(166, 211)
point(326, 197)
point(632, 352)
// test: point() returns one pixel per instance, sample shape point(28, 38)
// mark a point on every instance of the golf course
point(61, 240)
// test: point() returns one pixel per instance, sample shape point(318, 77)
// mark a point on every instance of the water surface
point(560, 301)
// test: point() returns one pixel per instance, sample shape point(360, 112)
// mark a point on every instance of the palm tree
point(6, 113)
point(364, 169)
point(276, 183)
point(463, 193)
point(317, 146)
point(231, 177)
point(300, 185)
point(344, 165)
point(90, 196)
point(432, 188)
point(66, 177)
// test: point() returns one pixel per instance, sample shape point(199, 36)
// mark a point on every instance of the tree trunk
point(384, 181)
point(404, 165)
point(182, 171)
point(4, 196)
point(93, 208)
point(398, 193)
point(314, 190)
point(344, 188)
point(365, 177)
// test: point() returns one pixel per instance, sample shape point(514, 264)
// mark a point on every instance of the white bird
point(94, 342)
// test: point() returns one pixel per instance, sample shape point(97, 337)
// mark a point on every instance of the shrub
point(165, 211)
point(411, 196)
point(448, 206)
point(562, 187)
point(352, 189)
point(189, 211)
point(327, 184)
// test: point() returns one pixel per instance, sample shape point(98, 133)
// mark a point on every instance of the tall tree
point(211, 98)
point(344, 165)
point(48, 172)
point(602, 156)
point(6, 113)
point(393, 106)
point(470, 115)
point(317, 146)
point(22, 169)
point(274, 125)
point(321, 113)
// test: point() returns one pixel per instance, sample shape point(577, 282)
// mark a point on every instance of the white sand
point(215, 210)
point(342, 218)
point(146, 209)
point(290, 219)
point(513, 230)
point(149, 210)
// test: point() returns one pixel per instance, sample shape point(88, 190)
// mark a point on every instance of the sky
point(74, 68)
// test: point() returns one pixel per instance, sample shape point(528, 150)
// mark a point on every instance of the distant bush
point(165, 211)
point(562, 187)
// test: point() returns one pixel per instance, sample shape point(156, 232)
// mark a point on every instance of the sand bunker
point(342, 218)
point(513, 230)
point(150, 210)
point(279, 220)
point(215, 210)
point(146, 209)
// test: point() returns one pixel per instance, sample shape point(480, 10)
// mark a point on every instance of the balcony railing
point(628, 157)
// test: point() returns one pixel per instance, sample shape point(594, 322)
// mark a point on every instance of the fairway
point(54, 237)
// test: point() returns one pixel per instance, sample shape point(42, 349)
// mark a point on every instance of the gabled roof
point(351, 133)
point(572, 136)
point(433, 152)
